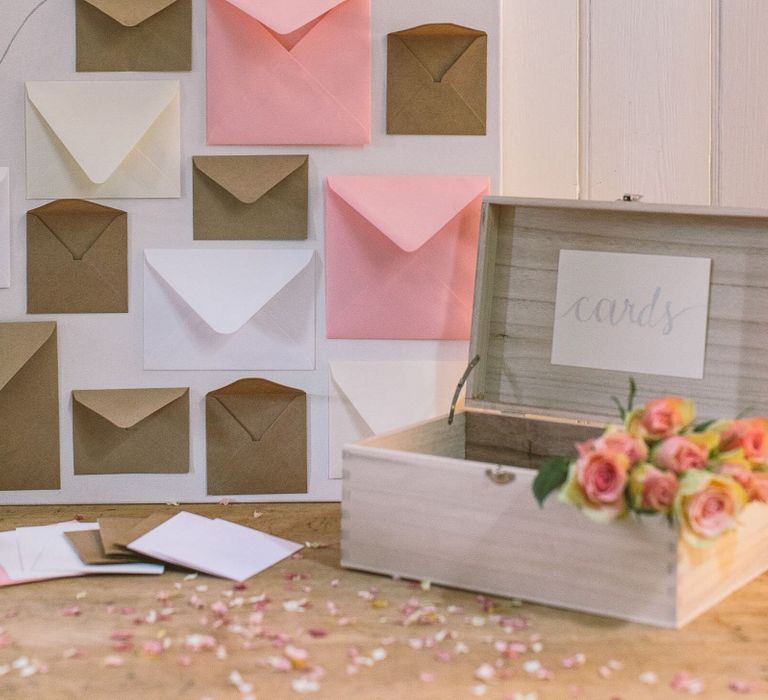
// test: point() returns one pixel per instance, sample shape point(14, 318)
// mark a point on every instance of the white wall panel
point(540, 76)
point(743, 103)
point(649, 112)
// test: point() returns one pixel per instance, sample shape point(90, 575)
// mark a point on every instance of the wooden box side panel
point(515, 305)
point(707, 576)
point(434, 437)
point(444, 520)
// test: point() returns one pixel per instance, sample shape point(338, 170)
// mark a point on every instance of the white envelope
point(5, 228)
point(46, 551)
point(217, 547)
point(11, 570)
point(371, 398)
point(230, 309)
point(103, 139)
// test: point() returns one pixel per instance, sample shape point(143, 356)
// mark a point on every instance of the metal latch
point(474, 362)
point(631, 198)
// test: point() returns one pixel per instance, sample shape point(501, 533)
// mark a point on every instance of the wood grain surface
point(724, 645)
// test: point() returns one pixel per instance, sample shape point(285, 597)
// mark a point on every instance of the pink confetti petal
point(74, 611)
point(114, 661)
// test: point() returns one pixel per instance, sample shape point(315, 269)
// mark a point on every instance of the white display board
point(105, 351)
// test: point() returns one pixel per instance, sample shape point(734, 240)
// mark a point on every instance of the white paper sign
point(632, 313)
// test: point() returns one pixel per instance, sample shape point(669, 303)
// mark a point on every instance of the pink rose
point(620, 441)
point(707, 505)
point(751, 435)
point(680, 454)
point(711, 512)
point(759, 490)
point(754, 483)
point(659, 490)
point(662, 418)
point(602, 476)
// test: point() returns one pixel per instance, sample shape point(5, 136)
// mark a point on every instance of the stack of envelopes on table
point(118, 545)
point(47, 552)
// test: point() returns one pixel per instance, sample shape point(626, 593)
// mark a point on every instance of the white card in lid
point(217, 547)
point(632, 313)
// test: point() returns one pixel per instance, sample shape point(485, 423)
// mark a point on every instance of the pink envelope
point(401, 255)
point(289, 72)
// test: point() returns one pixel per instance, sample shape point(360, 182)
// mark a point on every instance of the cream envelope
point(289, 72)
point(371, 398)
point(5, 228)
point(401, 255)
point(103, 139)
point(229, 309)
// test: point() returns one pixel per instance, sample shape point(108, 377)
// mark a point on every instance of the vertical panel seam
point(715, 101)
point(584, 121)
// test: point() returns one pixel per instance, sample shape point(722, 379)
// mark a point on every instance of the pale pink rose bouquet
point(659, 462)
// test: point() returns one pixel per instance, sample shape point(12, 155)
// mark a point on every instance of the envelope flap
point(18, 343)
point(286, 16)
point(389, 395)
point(130, 13)
point(256, 404)
point(100, 122)
point(408, 210)
point(125, 408)
point(227, 287)
point(438, 46)
point(77, 224)
point(248, 178)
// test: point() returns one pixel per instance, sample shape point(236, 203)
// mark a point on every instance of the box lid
point(514, 309)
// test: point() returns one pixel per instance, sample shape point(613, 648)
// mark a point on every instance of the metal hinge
point(474, 362)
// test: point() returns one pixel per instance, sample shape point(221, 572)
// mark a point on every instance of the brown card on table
point(437, 80)
point(87, 544)
point(134, 35)
point(29, 407)
point(250, 197)
point(131, 431)
point(77, 258)
point(257, 438)
point(112, 533)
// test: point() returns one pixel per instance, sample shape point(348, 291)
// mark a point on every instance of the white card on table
point(632, 313)
point(217, 547)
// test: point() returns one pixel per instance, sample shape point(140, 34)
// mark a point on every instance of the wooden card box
point(453, 503)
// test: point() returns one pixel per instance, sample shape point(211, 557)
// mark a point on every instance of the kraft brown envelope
point(134, 35)
point(437, 80)
point(257, 438)
point(29, 407)
point(112, 533)
point(77, 258)
point(250, 197)
point(87, 544)
point(131, 431)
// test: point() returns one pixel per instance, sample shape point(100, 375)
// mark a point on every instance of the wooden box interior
point(512, 441)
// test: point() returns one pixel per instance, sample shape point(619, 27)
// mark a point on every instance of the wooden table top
point(308, 627)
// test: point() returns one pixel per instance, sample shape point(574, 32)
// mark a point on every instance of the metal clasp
point(500, 476)
point(631, 198)
point(457, 394)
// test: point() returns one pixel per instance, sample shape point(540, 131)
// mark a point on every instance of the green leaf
point(552, 475)
point(622, 411)
point(632, 394)
point(702, 427)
